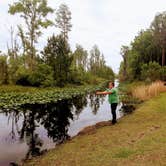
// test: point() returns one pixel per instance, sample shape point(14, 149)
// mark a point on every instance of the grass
point(138, 139)
point(145, 92)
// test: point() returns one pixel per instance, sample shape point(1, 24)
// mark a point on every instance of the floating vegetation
point(14, 100)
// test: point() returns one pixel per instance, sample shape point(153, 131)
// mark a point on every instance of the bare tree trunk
point(125, 68)
point(163, 56)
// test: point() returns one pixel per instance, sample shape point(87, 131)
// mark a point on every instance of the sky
point(106, 23)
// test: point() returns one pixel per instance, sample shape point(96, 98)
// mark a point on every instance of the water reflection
point(95, 101)
point(55, 118)
point(28, 135)
point(79, 103)
point(13, 118)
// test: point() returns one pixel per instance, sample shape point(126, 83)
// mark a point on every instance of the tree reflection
point(54, 117)
point(95, 102)
point(79, 103)
point(13, 117)
point(27, 133)
point(56, 120)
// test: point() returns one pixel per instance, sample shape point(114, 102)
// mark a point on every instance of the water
point(36, 128)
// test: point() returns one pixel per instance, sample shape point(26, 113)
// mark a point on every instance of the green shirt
point(113, 97)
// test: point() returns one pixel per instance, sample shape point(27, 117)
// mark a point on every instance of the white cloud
point(107, 23)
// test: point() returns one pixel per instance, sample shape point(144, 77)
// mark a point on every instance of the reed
point(145, 92)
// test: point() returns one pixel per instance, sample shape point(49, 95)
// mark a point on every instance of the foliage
point(124, 52)
point(77, 76)
point(41, 76)
point(22, 76)
point(158, 27)
point(63, 20)
point(56, 64)
point(79, 65)
point(80, 58)
point(151, 71)
point(142, 53)
point(106, 72)
point(146, 54)
point(13, 67)
point(34, 13)
point(89, 78)
point(57, 55)
point(163, 73)
point(95, 60)
point(97, 64)
point(3, 69)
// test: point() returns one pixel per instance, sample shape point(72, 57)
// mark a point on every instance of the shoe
point(113, 122)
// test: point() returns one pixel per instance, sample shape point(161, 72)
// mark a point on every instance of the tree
point(63, 20)
point(3, 70)
point(57, 55)
point(124, 53)
point(34, 13)
point(79, 65)
point(80, 58)
point(13, 49)
point(97, 64)
point(14, 60)
point(94, 61)
point(158, 27)
point(142, 50)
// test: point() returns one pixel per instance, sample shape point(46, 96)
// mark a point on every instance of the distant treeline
point(56, 64)
point(145, 59)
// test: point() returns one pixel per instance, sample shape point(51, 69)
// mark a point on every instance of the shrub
point(42, 76)
point(3, 70)
point(22, 76)
point(13, 66)
point(77, 76)
point(151, 71)
point(163, 73)
point(92, 79)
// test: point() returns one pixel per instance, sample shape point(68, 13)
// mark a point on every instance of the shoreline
point(124, 143)
point(88, 130)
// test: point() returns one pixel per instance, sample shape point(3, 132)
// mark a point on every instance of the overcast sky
point(107, 23)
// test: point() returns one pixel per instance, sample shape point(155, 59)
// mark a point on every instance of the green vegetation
point(34, 15)
point(138, 139)
point(55, 64)
point(16, 97)
point(145, 58)
point(57, 55)
point(54, 72)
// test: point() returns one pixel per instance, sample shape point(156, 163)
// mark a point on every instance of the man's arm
point(103, 93)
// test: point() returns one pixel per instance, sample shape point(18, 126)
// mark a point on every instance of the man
point(112, 98)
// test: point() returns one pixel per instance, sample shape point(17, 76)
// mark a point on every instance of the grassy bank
point(138, 139)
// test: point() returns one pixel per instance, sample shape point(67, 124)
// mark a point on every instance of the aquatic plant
point(14, 100)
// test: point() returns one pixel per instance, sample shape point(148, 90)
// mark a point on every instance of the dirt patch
point(92, 129)
point(141, 135)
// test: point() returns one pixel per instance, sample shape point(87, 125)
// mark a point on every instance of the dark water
point(36, 128)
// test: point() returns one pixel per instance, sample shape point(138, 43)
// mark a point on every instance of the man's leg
point(113, 110)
